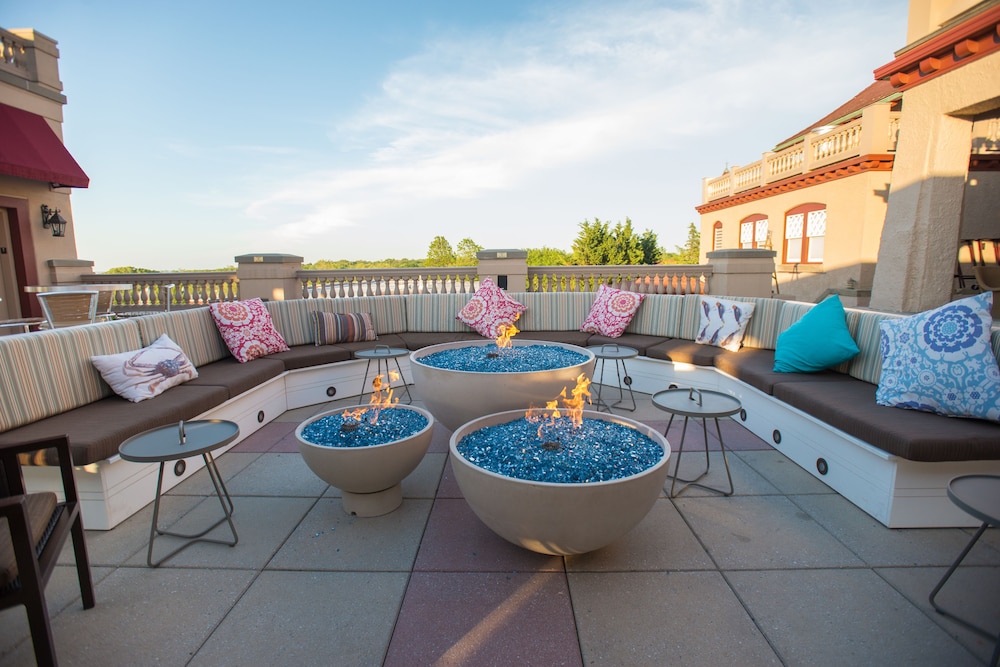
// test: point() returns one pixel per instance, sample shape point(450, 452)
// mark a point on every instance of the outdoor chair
point(33, 530)
point(68, 309)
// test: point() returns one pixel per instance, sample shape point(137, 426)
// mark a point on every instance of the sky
point(363, 130)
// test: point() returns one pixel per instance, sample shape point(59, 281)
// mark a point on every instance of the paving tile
point(760, 532)
point(423, 482)
point(448, 488)
point(200, 483)
point(843, 617)
point(664, 618)
point(877, 546)
point(746, 480)
point(485, 618)
point(265, 437)
point(143, 616)
point(661, 541)
point(330, 539)
point(971, 593)
point(284, 475)
point(262, 524)
point(309, 618)
point(787, 476)
point(440, 437)
point(457, 541)
point(738, 437)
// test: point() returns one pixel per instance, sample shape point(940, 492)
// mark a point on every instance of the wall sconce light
point(52, 219)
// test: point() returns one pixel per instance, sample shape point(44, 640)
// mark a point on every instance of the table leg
point(364, 383)
point(946, 577)
point(406, 387)
point(227, 509)
point(708, 464)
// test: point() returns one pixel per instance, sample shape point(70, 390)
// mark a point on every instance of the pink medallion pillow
point(247, 329)
point(489, 308)
point(145, 373)
point(612, 311)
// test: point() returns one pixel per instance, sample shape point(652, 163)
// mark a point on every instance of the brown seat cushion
point(304, 356)
point(756, 368)
point(639, 342)
point(236, 377)
point(39, 507)
point(418, 340)
point(684, 351)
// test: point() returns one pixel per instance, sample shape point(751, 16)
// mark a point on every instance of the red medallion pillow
point(489, 308)
point(247, 328)
point(612, 311)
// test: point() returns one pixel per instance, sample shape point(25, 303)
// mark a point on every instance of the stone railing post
point(742, 272)
point(69, 271)
point(507, 268)
point(272, 277)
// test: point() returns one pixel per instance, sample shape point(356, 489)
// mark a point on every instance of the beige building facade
point(878, 200)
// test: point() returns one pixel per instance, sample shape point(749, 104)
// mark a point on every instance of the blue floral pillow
point(941, 361)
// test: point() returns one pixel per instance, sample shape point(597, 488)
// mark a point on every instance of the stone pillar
point(507, 268)
point(270, 277)
point(742, 272)
point(69, 271)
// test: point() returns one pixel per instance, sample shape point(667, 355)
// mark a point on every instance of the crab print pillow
point(145, 373)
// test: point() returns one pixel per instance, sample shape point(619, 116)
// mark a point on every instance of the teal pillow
point(818, 341)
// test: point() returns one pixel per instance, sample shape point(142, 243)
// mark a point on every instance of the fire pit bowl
point(558, 518)
point(369, 477)
point(458, 396)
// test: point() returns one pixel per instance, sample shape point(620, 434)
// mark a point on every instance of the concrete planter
point(370, 478)
point(456, 397)
point(558, 519)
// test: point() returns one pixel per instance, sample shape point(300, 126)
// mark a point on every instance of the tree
point(439, 253)
point(129, 269)
point(690, 252)
point(597, 244)
point(465, 252)
point(546, 256)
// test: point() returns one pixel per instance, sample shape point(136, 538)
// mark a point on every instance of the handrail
point(153, 292)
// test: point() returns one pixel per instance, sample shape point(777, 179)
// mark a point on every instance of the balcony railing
point(875, 132)
point(153, 292)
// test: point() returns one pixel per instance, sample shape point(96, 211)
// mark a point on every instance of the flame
point(572, 406)
point(505, 332)
point(381, 398)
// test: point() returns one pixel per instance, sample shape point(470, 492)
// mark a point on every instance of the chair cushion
point(40, 508)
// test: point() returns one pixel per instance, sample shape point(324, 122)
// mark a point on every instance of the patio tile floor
point(783, 572)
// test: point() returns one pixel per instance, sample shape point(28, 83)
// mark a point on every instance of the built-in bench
point(894, 464)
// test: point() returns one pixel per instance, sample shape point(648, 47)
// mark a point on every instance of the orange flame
point(505, 332)
point(381, 398)
point(572, 406)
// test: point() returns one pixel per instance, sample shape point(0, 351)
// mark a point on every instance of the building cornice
point(858, 165)
point(946, 51)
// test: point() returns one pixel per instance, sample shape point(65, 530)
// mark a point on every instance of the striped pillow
point(343, 327)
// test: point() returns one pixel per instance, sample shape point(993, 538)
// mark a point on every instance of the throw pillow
point(145, 373)
point(818, 341)
point(247, 328)
point(490, 309)
point(723, 322)
point(343, 327)
point(612, 311)
point(941, 361)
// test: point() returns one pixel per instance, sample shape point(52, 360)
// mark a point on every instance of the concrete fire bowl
point(456, 397)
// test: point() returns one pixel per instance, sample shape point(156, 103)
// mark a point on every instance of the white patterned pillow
point(723, 322)
point(490, 309)
point(145, 373)
point(941, 361)
point(612, 311)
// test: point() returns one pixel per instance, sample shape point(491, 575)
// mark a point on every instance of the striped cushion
point(762, 332)
point(193, 330)
point(48, 372)
point(864, 328)
point(389, 313)
point(660, 315)
point(294, 320)
point(343, 328)
point(436, 313)
point(554, 311)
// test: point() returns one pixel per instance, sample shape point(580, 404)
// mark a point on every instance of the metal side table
point(617, 353)
point(181, 441)
point(701, 404)
point(382, 354)
point(979, 495)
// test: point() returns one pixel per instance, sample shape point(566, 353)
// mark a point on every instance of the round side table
point(181, 441)
point(701, 404)
point(617, 353)
point(382, 354)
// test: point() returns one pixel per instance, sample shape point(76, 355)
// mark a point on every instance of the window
point(753, 231)
point(805, 232)
point(717, 236)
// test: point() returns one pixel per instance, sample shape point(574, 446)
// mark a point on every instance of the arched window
point(717, 235)
point(805, 232)
point(753, 231)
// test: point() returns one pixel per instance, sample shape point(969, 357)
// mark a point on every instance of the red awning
point(30, 149)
